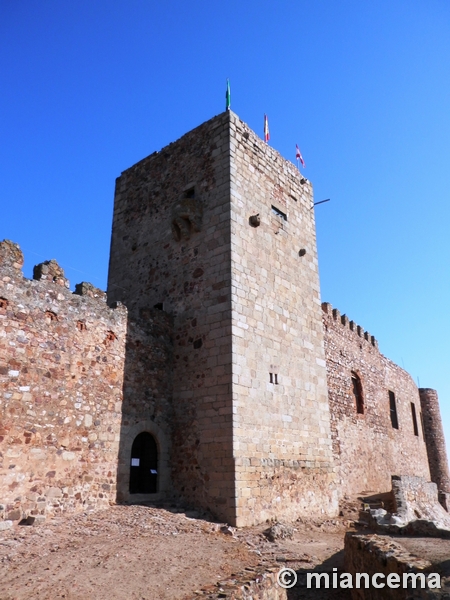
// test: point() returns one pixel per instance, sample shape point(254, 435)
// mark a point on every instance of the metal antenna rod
point(321, 202)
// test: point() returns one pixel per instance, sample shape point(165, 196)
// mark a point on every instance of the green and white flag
point(228, 96)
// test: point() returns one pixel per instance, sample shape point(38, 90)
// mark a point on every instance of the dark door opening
point(144, 465)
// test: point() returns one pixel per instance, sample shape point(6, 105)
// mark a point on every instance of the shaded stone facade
point(224, 383)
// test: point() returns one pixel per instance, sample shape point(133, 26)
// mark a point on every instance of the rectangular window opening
point(358, 393)
point(393, 409)
point(276, 378)
point(271, 377)
point(414, 418)
point(279, 213)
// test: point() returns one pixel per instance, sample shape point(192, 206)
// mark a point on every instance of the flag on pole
point(228, 96)
point(266, 129)
point(298, 155)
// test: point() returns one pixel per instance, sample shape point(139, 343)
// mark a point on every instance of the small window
point(190, 193)
point(276, 378)
point(279, 213)
point(358, 393)
point(271, 377)
point(393, 409)
point(414, 419)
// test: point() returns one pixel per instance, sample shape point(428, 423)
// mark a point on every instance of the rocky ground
point(144, 552)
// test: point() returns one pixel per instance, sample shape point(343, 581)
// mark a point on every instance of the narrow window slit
point(393, 410)
point(414, 419)
point(276, 211)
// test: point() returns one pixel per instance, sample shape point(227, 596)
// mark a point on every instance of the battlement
point(344, 321)
point(50, 288)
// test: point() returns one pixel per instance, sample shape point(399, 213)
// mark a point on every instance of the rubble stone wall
point(368, 450)
point(61, 373)
point(373, 554)
point(416, 498)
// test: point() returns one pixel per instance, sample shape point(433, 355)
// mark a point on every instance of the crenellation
point(50, 271)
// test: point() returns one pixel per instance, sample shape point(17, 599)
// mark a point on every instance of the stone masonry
point(213, 372)
point(61, 374)
point(369, 437)
point(251, 425)
point(434, 439)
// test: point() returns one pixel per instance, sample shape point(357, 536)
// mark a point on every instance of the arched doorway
point(144, 465)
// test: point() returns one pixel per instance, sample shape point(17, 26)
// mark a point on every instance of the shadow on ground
point(301, 591)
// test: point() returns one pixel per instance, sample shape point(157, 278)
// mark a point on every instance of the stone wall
point(415, 498)
point(366, 446)
point(61, 371)
point(380, 554)
point(147, 397)
point(171, 248)
point(281, 435)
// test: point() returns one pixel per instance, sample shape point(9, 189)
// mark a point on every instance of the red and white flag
point(266, 129)
point(298, 155)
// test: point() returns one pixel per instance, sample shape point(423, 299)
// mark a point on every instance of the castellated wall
point(61, 374)
point(367, 447)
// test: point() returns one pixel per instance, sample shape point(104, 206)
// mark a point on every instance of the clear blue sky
point(89, 88)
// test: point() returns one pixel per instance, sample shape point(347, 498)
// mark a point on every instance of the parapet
point(56, 285)
point(11, 256)
point(87, 289)
point(50, 271)
point(343, 320)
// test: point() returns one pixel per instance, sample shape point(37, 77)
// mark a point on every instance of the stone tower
point(217, 230)
point(435, 442)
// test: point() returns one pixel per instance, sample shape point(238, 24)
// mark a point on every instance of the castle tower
point(217, 230)
point(435, 442)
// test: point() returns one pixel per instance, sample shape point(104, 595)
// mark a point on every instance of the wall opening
point(144, 465)
point(276, 211)
point(393, 410)
point(358, 393)
point(414, 419)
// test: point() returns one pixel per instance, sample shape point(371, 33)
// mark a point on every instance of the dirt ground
point(143, 552)
point(149, 553)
